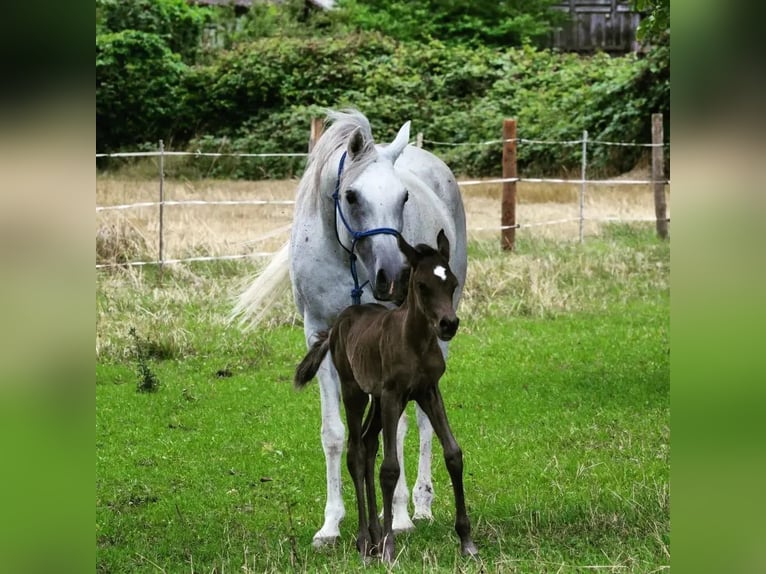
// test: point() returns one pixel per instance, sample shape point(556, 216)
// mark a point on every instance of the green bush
point(260, 96)
point(138, 90)
point(177, 22)
point(483, 22)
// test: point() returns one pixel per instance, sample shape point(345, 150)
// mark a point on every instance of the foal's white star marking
point(440, 272)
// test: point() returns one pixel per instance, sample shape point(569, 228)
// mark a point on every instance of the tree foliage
point(510, 23)
point(178, 23)
point(260, 91)
point(138, 89)
point(655, 25)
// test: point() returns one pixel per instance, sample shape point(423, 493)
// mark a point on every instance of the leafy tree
point(504, 23)
point(177, 22)
point(655, 25)
point(138, 89)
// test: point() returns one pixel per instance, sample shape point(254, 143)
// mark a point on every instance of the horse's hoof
point(402, 525)
point(469, 549)
point(423, 515)
point(322, 541)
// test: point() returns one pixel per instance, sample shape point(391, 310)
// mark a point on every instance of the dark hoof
point(387, 553)
point(469, 549)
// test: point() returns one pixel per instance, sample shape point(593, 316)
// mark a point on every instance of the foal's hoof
point(469, 549)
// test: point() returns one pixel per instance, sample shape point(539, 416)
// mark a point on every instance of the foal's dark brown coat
point(393, 356)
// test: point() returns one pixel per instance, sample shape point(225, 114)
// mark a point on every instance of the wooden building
point(608, 25)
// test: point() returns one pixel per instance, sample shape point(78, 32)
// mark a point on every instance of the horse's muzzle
point(448, 328)
point(388, 289)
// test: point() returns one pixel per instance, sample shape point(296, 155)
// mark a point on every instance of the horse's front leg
point(423, 491)
point(391, 406)
point(355, 402)
point(402, 521)
point(433, 406)
point(332, 443)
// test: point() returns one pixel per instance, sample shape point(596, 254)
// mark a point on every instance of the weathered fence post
point(658, 176)
point(583, 177)
point(419, 139)
point(162, 207)
point(317, 127)
point(508, 207)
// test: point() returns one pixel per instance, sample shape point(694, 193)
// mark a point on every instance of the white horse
point(352, 197)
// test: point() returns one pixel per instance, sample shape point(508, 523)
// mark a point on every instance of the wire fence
point(657, 181)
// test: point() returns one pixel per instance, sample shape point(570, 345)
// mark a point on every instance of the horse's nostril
point(449, 325)
point(381, 281)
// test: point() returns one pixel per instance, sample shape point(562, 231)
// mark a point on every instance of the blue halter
point(356, 292)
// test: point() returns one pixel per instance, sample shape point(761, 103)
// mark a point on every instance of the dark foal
point(393, 356)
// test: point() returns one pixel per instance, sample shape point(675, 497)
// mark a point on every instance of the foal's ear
point(355, 144)
point(409, 252)
point(442, 244)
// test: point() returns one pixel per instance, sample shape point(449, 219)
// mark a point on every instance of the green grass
point(557, 388)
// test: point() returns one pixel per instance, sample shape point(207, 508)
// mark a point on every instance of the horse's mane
point(342, 124)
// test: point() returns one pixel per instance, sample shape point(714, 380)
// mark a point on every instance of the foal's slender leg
point(391, 407)
point(423, 491)
point(433, 406)
point(354, 402)
point(371, 439)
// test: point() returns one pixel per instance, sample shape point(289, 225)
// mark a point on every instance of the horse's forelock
point(342, 124)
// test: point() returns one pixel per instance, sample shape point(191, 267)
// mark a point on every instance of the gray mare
point(396, 186)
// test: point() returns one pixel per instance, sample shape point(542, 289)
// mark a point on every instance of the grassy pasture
point(557, 388)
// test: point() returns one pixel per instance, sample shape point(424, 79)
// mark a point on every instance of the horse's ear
point(396, 147)
point(355, 144)
point(442, 244)
point(409, 252)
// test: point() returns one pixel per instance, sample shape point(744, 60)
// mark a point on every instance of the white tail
point(264, 290)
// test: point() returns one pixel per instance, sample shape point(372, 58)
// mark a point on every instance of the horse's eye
point(423, 288)
point(351, 197)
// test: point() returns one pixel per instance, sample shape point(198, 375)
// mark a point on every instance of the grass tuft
point(119, 242)
point(143, 350)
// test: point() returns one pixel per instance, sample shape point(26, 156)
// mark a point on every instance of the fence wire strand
point(464, 183)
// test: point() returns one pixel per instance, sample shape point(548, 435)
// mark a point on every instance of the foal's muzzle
point(448, 328)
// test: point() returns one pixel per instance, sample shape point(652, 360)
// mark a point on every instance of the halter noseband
point(356, 292)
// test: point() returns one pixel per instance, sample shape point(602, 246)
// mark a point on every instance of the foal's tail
point(310, 364)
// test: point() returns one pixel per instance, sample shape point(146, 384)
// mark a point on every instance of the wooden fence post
point(658, 176)
point(419, 139)
point(317, 127)
point(162, 208)
point(508, 208)
point(584, 178)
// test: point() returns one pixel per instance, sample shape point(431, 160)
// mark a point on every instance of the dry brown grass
point(549, 274)
point(201, 229)
point(227, 230)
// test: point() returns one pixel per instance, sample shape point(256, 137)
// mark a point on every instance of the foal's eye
point(423, 288)
point(351, 197)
